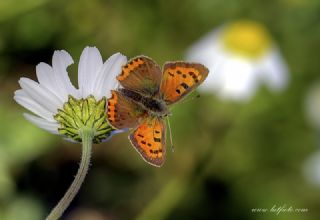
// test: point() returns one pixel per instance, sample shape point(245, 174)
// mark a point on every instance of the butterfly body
point(145, 99)
point(152, 105)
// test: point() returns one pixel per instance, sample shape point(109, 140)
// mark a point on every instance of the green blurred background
point(229, 157)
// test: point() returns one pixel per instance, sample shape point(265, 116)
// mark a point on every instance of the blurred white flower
point(241, 56)
point(311, 168)
point(59, 106)
point(312, 105)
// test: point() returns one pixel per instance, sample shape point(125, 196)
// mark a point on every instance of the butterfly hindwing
point(142, 102)
point(149, 140)
point(122, 112)
point(179, 79)
point(141, 74)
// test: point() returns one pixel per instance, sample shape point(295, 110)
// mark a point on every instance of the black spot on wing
point(184, 85)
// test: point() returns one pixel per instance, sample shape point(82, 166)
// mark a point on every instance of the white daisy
point(311, 168)
point(54, 91)
point(241, 56)
point(77, 114)
point(312, 105)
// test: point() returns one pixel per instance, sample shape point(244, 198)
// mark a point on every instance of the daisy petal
point(23, 99)
point(42, 123)
point(236, 79)
point(115, 132)
point(46, 78)
point(106, 79)
point(89, 65)
point(274, 70)
point(45, 97)
point(42, 96)
point(60, 61)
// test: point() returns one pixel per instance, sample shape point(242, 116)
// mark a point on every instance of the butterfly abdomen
point(152, 105)
point(134, 96)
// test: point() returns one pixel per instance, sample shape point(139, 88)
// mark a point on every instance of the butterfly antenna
point(171, 142)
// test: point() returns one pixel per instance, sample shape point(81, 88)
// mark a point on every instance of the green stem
point(87, 135)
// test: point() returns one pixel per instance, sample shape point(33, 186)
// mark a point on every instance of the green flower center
point(79, 113)
point(246, 38)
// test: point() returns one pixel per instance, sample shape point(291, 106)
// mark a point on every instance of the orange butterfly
point(144, 100)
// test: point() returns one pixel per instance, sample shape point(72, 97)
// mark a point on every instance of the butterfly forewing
point(144, 86)
point(149, 140)
point(179, 79)
point(141, 74)
point(122, 112)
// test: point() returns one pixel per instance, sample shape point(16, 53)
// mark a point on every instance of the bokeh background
point(230, 157)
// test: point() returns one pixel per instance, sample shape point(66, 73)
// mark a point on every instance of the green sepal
point(77, 114)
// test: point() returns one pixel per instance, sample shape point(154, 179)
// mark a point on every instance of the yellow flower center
point(246, 38)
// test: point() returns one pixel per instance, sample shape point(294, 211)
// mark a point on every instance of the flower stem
point(87, 135)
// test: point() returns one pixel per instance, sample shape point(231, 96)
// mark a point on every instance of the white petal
point(106, 79)
point(42, 123)
point(274, 70)
point(113, 133)
point(214, 58)
point(233, 78)
point(311, 168)
point(60, 61)
point(89, 65)
point(206, 50)
point(210, 52)
point(46, 78)
point(23, 99)
point(39, 94)
point(312, 105)
point(230, 76)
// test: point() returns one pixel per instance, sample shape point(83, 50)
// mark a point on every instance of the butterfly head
point(156, 107)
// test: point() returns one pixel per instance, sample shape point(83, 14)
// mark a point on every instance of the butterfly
point(144, 98)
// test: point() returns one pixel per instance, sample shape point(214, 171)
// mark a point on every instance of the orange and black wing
point(141, 74)
point(122, 112)
point(149, 139)
point(180, 78)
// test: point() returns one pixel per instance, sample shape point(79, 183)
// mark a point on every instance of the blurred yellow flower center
point(80, 113)
point(246, 38)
